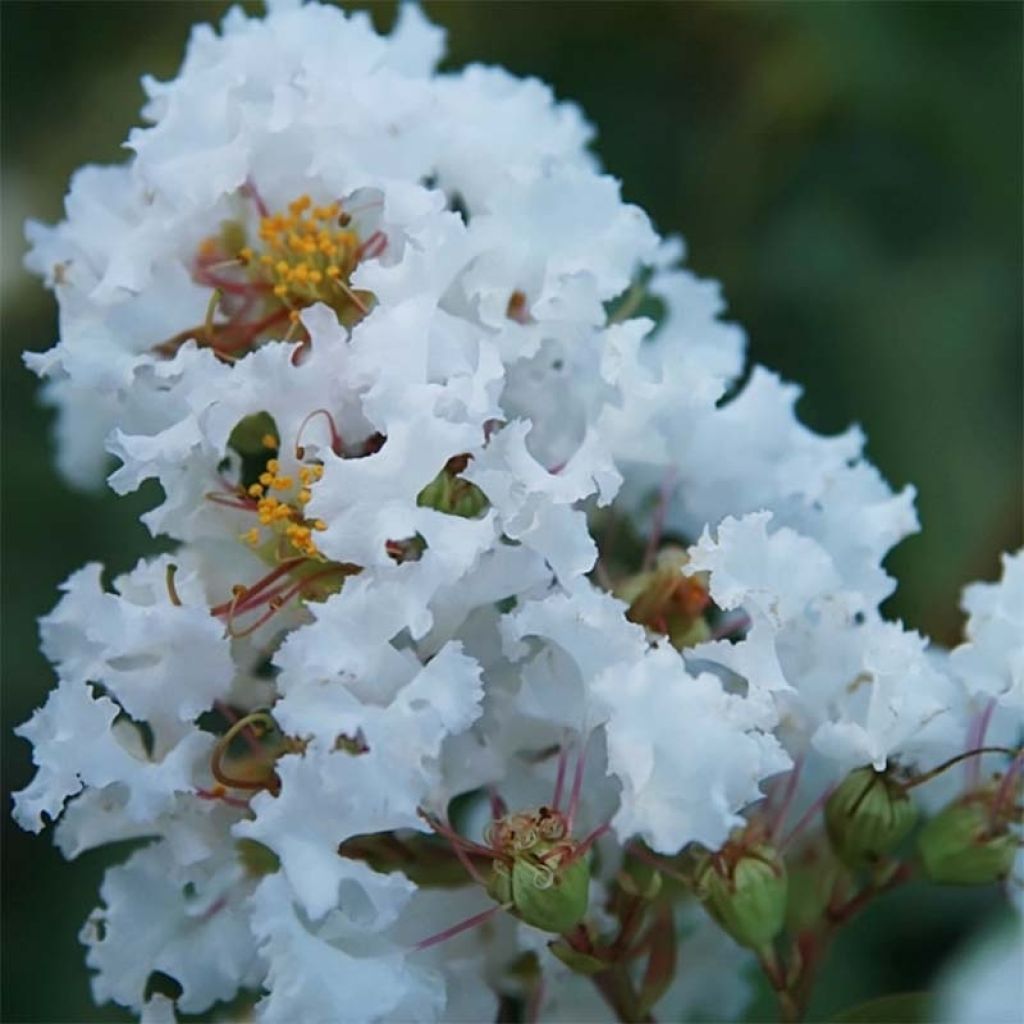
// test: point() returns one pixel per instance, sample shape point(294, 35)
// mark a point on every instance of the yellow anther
point(296, 206)
point(301, 272)
point(281, 290)
point(318, 471)
point(269, 441)
point(294, 316)
point(319, 524)
point(282, 483)
point(315, 277)
point(304, 495)
point(283, 267)
point(333, 271)
point(266, 259)
point(266, 479)
point(245, 254)
point(256, 490)
point(252, 537)
point(273, 465)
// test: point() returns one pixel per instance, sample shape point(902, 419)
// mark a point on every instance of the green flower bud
point(448, 492)
point(962, 845)
point(744, 890)
point(867, 815)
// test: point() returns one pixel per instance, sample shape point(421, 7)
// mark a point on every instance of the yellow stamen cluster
point(307, 255)
point(283, 513)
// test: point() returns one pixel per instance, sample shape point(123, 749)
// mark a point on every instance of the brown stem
point(617, 988)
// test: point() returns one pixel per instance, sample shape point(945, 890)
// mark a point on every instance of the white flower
point(371, 330)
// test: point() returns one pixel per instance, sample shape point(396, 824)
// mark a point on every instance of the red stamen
point(563, 759)
point(374, 246)
point(979, 728)
point(337, 444)
point(577, 788)
point(248, 594)
point(250, 191)
point(658, 519)
point(205, 794)
point(806, 817)
point(498, 806)
point(462, 926)
point(232, 501)
point(449, 833)
point(779, 818)
point(731, 628)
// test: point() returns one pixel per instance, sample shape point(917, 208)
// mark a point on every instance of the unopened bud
point(963, 845)
point(744, 890)
point(448, 492)
point(668, 600)
point(867, 815)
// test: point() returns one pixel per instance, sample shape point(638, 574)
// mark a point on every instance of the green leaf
point(899, 1008)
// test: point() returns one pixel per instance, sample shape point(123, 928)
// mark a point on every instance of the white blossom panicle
point(381, 335)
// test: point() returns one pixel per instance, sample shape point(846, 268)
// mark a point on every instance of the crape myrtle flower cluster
point(518, 643)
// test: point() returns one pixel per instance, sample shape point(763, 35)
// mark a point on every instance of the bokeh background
point(850, 172)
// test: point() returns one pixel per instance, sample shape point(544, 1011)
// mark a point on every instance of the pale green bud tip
point(867, 815)
point(744, 890)
point(965, 845)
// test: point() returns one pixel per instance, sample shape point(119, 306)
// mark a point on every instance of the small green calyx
point(539, 873)
point(448, 492)
point(743, 887)
point(867, 815)
point(668, 601)
point(968, 842)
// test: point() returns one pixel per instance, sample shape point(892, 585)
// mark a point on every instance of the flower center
point(280, 508)
point(303, 255)
point(307, 255)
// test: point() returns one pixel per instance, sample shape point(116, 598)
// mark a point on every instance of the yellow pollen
point(269, 441)
point(302, 256)
point(256, 490)
point(252, 537)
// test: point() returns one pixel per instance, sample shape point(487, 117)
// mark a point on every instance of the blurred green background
point(850, 172)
